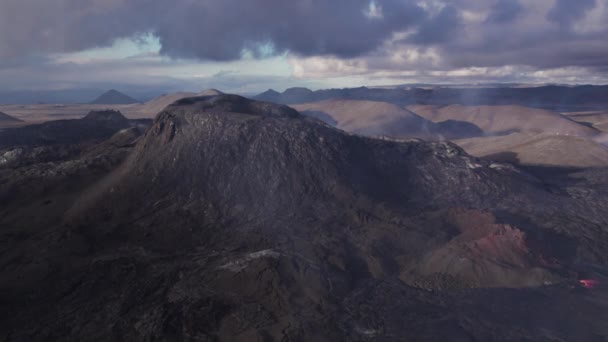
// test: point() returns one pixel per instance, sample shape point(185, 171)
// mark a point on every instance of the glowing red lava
point(589, 283)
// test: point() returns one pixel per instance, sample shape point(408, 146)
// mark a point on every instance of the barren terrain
point(539, 149)
point(497, 120)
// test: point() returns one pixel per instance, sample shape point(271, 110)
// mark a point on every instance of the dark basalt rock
point(240, 220)
point(231, 104)
point(95, 126)
point(109, 116)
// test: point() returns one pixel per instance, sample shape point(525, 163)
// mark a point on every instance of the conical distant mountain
point(114, 97)
point(7, 118)
point(270, 95)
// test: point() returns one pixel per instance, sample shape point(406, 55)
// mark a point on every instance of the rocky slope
point(237, 220)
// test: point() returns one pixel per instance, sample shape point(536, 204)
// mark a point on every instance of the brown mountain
point(382, 118)
point(541, 149)
point(496, 120)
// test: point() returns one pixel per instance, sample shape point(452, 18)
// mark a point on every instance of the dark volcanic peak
point(224, 103)
point(105, 115)
point(269, 95)
point(113, 97)
point(5, 118)
point(236, 153)
point(270, 92)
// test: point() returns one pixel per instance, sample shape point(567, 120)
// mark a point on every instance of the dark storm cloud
point(220, 29)
point(519, 33)
point(505, 11)
point(206, 29)
point(449, 34)
point(438, 28)
point(565, 12)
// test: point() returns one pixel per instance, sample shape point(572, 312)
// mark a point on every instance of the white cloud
point(374, 11)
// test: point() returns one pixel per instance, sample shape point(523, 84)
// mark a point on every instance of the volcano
point(114, 97)
point(233, 219)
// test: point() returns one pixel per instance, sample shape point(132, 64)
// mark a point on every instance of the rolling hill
point(382, 118)
point(542, 149)
point(558, 98)
point(497, 120)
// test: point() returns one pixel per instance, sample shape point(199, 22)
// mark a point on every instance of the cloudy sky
point(252, 45)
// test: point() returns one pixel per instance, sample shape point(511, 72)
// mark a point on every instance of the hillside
point(543, 149)
point(381, 118)
point(96, 125)
point(496, 120)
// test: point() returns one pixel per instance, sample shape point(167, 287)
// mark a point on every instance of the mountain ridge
point(549, 97)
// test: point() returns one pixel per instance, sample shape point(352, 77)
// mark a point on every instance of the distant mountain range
point(67, 96)
point(550, 97)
